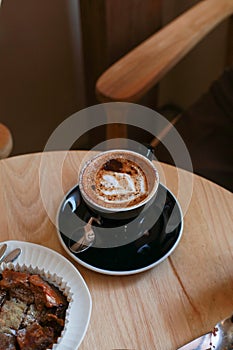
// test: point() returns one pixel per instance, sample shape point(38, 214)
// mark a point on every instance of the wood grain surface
point(163, 308)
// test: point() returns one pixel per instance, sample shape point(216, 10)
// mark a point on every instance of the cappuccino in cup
point(118, 181)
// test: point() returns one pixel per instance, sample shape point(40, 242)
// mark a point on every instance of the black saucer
point(153, 242)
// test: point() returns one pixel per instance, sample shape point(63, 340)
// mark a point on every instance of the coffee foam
point(117, 179)
point(127, 184)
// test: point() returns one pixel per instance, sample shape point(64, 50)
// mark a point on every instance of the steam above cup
point(118, 184)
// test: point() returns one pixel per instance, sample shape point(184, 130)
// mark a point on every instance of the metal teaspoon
point(2, 251)
point(87, 239)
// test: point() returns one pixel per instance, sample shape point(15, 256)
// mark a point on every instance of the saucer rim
point(115, 272)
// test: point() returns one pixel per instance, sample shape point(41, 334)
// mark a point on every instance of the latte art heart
point(121, 187)
point(115, 183)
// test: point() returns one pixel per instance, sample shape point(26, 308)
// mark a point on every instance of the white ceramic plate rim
point(80, 310)
point(120, 273)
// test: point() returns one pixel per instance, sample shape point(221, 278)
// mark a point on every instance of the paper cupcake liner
point(51, 278)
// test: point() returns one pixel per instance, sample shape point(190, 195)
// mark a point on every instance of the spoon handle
point(12, 256)
point(2, 251)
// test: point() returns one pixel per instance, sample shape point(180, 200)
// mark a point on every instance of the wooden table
point(162, 308)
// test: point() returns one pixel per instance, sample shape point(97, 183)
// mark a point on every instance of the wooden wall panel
point(111, 29)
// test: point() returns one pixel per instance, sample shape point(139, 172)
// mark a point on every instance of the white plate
point(80, 310)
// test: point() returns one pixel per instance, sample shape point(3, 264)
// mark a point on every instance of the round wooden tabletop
point(162, 308)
